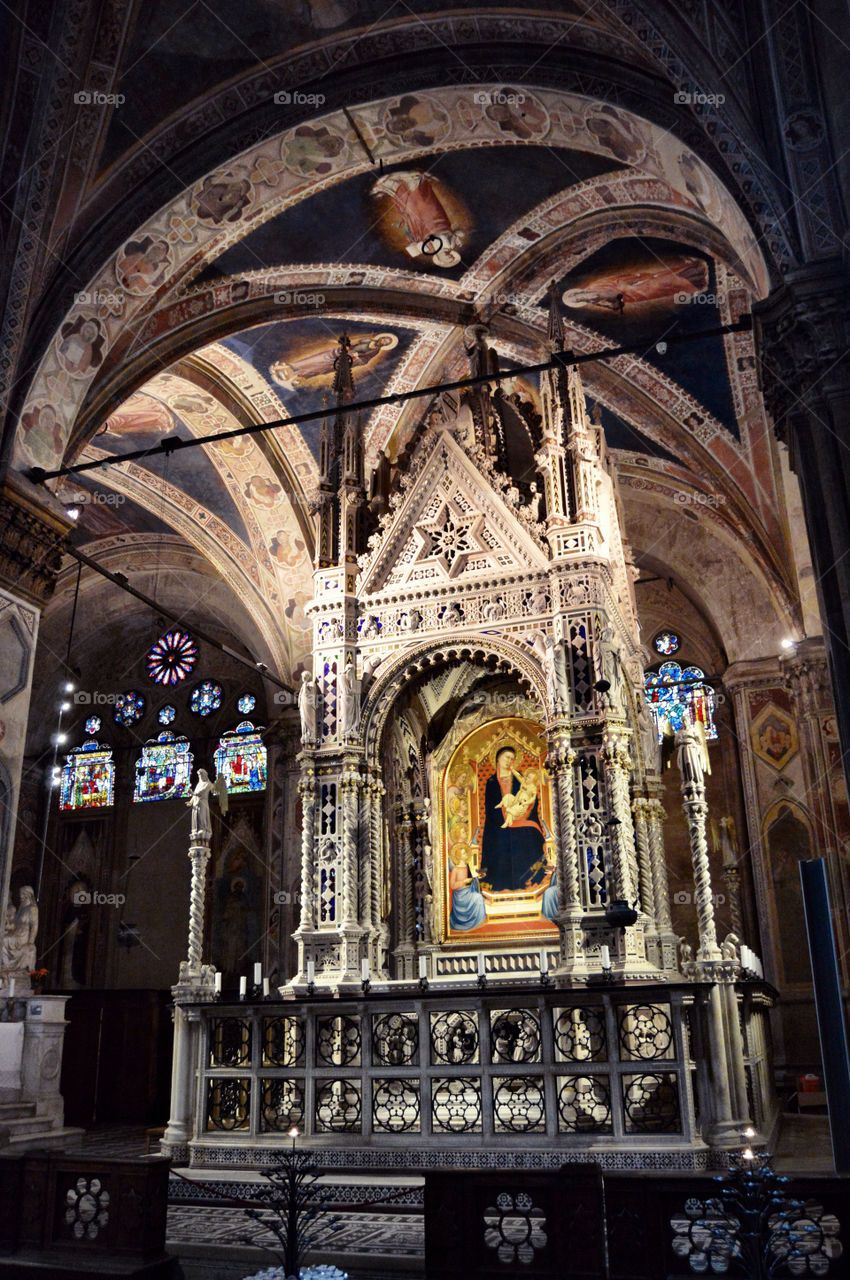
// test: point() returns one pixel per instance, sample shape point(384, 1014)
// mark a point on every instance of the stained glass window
point(671, 689)
point(241, 757)
point(246, 703)
point(666, 642)
point(93, 724)
point(129, 707)
point(164, 770)
point(166, 714)
point(87, 778)
point(205, 698)
point(172, 657)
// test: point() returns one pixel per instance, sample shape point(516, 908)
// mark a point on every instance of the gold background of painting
point(459, 814)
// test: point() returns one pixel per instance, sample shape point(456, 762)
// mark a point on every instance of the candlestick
point(258, 974)
point(364, 969)
point(265, 988)
point(218, 982)
point(482, 965)
point(311, 971)
point(544, 960)
point(11, 987)
point(243, 987)
point(605, 957)
point(423, 966)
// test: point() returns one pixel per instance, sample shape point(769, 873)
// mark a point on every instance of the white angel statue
point(200, 804)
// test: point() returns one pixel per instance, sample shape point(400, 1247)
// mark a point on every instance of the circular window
point(205, 698)
point(93, 724)
point(666, 642)
point(166, 714)
point(129, 707)
point(172, 658)
point(246, 703)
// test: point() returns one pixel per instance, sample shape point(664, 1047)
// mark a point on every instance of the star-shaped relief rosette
point(451, 538)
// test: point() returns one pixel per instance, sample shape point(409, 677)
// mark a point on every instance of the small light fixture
point(64, 706)
point(73, 513)
point(788, 642)
point(69, 686)
point(60, 738)
point(748, 1153)
point(749, 1133)
point(661, 348)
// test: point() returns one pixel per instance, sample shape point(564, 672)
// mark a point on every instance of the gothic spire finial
point(343, 384)
point(555, 332)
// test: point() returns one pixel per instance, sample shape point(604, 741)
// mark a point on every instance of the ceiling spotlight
point(661, 348)
point(69, 686)
point(73, 513)
point(788, 642)
point(64, 706)
point(60, 738)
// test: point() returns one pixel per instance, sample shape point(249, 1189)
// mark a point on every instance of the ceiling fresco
point(437, 217)
point(144, 419)
point(296, 357)
point(642, 290)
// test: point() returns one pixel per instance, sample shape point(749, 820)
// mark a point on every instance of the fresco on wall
point(497, 834)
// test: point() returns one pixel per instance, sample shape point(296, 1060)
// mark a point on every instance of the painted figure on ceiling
point(420, 212)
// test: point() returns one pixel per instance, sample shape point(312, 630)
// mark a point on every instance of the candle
point(311, 970)
point(423, 966)
point(218, 982)
point(364, 969)
point(482, 968)
point(11, 987)
point(265, 988)
point(605, 957)
point(544, 960)
point(258, 974)
point(243, 987)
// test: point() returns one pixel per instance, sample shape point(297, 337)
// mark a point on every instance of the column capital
point(31, 538)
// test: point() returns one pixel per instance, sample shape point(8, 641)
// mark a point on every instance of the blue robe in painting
point(468, 910)
point(549, 901)
point(511, 857)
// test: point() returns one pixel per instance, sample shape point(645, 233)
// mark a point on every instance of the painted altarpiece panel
point(497, 835)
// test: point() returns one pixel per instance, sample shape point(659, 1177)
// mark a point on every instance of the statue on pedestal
point(692, 753)
point(199, 803)
point(18, 951)
point(609, 664)
point(308, 706)
point(349, 700)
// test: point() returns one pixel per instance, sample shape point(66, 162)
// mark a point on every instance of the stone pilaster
point(802, 335)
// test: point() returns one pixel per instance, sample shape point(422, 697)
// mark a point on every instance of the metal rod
point(560, 360)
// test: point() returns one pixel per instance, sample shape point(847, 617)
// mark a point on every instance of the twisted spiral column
point(655, 819)
point(199, 855)
point(617, 766)
point(696, 812)
point(350, 788)
point(644, 857)
point(569, 886)
point(307, 791)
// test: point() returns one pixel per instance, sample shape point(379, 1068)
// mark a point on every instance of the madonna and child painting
point(498, 842)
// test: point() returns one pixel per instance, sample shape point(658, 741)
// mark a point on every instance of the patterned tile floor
point(366, 1242)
